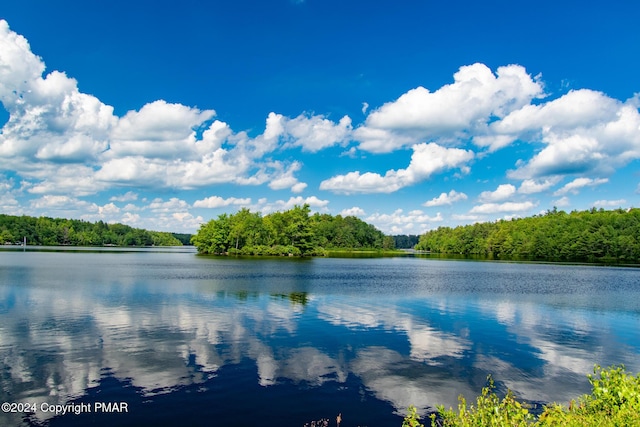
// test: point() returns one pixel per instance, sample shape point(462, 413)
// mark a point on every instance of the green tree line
point(56, 231)
point(294, 231)
point(404, 241)
point(592, 235)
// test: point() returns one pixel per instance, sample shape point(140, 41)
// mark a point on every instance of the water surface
point(190, 340)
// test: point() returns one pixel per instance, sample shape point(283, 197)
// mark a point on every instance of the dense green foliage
point(406, 241)
point(594, 235)
point(184, 238)
point(614, 401)
point(489, 410)
point(293, 232)
point(56, 231)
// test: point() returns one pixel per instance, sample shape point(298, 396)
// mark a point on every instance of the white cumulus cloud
point(159, 129)
point(401, 222)
point(160, 145)
point(265, 206)
point(50, 119)
point(504, 191)
point(353, 211)
point(579, 183)
point(286, 178)
point(129, 196)
point(218, 202)
point(583, 131)
point(427, 159)
point(453, 111)
point(171, 205)
point(316, 132)
point(446, 199)
point(531, 186)
point(492, 208)
point(562, 202)
point(610, 203)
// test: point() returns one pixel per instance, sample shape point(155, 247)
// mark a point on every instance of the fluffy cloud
point(266, 207)
point(531, 186)
point(199, 163)
point(172, 205)
point(503, 192)
point(49, 201)
point(578, 183)
point(369, 182)
point(382, 140)
point(354, 211)
point(316, 132)
point(564, 155)
point(8, 202)
point(562, 202)
point(160, 121)
point(129, 196)
point(427, 159)
point(177, 221)
point(492, 208)
point(219, 202)
point(458, 110)
point(446, 199)
point(610, 203)
point(298, 187)
point(400, 222)
point(108, 209)
point(161, 145)
point(23, 67)
point(163, 130)
point(67, 206)
point(159, 214)
point(583, 131)
point(286, 179)
point(576, 109)
point(215, 168)
point(75, 179)
point(49, 119)
point(493, 142)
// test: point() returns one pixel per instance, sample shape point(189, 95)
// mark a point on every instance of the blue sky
point(410, 115)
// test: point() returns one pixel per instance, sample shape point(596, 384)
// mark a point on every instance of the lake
point(162, 337)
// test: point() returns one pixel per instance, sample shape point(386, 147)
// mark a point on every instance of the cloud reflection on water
point(57, 343)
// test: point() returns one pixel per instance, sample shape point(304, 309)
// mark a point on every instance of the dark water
point(188, 340)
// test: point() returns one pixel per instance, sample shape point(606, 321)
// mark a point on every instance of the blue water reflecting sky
point(365, 337)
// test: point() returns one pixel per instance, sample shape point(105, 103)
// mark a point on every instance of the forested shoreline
point(293, 232)
point(585, 236)
point(58, 231)
point(588, 236)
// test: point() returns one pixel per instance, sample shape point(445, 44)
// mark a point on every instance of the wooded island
point(292, 232)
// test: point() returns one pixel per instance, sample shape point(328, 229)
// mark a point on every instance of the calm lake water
point(182, 339)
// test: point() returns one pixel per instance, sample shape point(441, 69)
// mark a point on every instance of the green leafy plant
point(489, 410)
point(614, 402)
point(412, 419)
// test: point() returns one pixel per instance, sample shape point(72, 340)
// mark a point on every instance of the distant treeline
point(294, 232)
point(404, 241)
point(56, 231)
point(184, 238)
point(593, 235)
